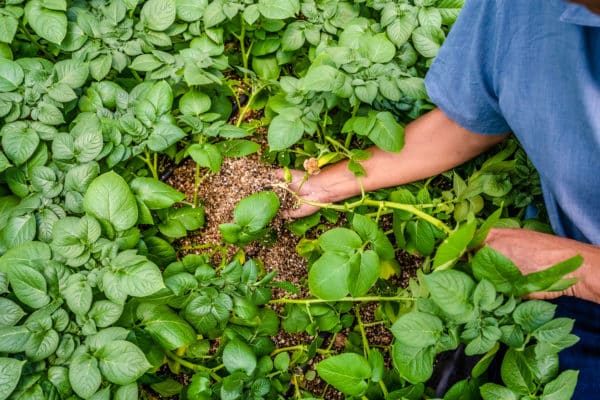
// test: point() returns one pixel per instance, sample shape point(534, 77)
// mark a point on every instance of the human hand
point(533, 251)
point(304, 190)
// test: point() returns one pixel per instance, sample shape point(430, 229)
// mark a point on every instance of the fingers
point(300, 187)
point(304, 210)
point(298, 177)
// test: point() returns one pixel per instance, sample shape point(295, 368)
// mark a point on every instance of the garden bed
point(142, 254)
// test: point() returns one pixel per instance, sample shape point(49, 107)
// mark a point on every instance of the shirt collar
point(579, 15)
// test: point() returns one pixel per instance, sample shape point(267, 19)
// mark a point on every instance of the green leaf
point(546, 279)
point(320, 78)
point(430, 16)
point(139, 277)
point(190, 10)
point(194, 102)
point(206, 155)
point(451, 290)
point(417, 329)
point(256, 211)
point(449, 10)
point(516, 373)
point(78, 295)
point(554, 331)
point(237, 147)
point(158, 15)
point(484, 229)
point(160, 96)
point(8, 28)
point(496, 268)
point(167, 388)
point(561, 388)
point(145, 63)
point(232, 386)
point(369, 231)
point(62, 93)
point(213, 14)
point(4, 163)
point(454, 246)
point(401, 29)
point(368, 273)
point(49, 114)
point(379, 49)
point(122, 362)
point(293, 37)
point(71, 72)
point(282, 361)
point(154, 193)
point(340, 240)
point(11, 75)
point(109, 198)
point(266, 68)
point(41, 345)
point(11, 312)
point(428, 40)
point(13, 339)
point(10, 374)
point(377, 364)
point(492, 391)
point(485, 361)
point(484, 295)
point(19, 142)
point(328, 276)
point(164, 135)
point(237, 355)
point(127, 392)
point(386, 133)
point(84, 375)
point(415, 364)
point(29, 286)
point(168, 328)
point(280, 9)
point(532, 314)
point(105, 313)
point(88, 141)
point(284, 132)
point(100, 66)
point(49, 24)
point(346, 372)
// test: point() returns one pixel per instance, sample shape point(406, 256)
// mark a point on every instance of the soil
point(218, 194)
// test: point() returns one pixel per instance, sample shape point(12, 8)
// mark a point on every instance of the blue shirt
point(532, 67)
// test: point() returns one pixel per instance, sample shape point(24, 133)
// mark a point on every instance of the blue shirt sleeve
point(461, 78)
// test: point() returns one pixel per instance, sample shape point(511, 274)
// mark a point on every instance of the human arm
point(433, 144)
point(533, 251)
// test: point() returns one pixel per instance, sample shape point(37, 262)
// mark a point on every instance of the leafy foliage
point(97, 300)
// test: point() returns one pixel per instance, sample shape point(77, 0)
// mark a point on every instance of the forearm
point(532, 251)
point(433, 144)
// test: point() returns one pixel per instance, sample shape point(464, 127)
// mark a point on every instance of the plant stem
point(37, 44)
point(375, 323)
point(196, 185)
point(383, 389)
point(364, 201)
point(192, 366)
point(297, 393)
point(136, 75)
point(363, 333)
point(363, 299)
point(151, 163)
point(247, 106)
point(298, 347)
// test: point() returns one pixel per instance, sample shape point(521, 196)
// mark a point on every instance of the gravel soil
point(218, 194)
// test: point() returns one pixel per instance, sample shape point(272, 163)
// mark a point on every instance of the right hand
point(302, 186)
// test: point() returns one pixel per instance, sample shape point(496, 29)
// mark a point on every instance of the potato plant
point(98, 302)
